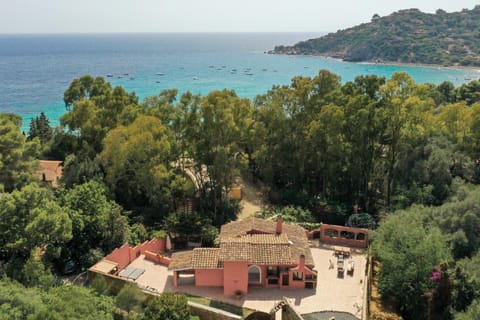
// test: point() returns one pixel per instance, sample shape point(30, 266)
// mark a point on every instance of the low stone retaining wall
point(209, 313)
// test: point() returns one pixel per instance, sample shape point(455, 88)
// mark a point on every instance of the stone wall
point(209, 313)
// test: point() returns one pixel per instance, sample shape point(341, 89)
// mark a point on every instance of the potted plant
point(238, 294)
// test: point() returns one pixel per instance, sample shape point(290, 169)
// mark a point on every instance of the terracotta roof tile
point(254, 241)
point(257, 248)
point(235, 251)
point(206, 258)
point(51, 170)
point(258, 239)
point(295, 235)
point(181, 261)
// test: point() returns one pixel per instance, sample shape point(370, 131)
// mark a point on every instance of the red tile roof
point(50, 171)
point(254, 241)
point(257, 248)
point(289, 245)
point(181, 261)
point(206, 258)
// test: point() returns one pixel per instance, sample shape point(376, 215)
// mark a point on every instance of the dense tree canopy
point(97, 223)
point(377, 143)
point(409, 249)
point(31, 218)
point(17, 156)
point(420, 240)
point(40, 127)
point(64, 302)
point(94, 109)
point(168, 306)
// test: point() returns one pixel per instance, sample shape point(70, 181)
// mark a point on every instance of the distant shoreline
point(419, 65)
point(384, 63)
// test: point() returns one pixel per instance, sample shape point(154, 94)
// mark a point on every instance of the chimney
point(279, 224)
point(301, 263)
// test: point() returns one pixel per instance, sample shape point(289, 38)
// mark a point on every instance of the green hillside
point(406, 36)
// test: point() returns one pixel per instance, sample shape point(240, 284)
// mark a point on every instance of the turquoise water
point(36, 69)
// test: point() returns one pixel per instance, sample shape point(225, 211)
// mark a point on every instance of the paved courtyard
point(332, 292)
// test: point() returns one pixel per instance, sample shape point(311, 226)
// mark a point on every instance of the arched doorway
point(254, 275)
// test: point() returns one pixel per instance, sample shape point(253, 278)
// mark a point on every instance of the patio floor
point(332, 293)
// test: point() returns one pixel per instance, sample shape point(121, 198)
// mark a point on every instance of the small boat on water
point(125, 74)
point(195, 78)
point(160, 74)
point(109, 75)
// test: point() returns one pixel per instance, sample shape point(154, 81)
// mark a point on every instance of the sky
point(105, 16)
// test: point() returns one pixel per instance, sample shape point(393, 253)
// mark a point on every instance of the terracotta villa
point(253, 252)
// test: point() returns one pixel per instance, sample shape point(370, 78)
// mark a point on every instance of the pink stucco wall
point(263, 269)
point(126, 254)
point(154, 245)
point(122, 256)
point(209, 277)
point(235, 276)
point(295, 284)
point(300, 268)
point(157, 257)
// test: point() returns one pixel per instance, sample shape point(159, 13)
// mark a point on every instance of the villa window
point(272, 271)
point(310, 277)
point(298, 276)
point(254, 274)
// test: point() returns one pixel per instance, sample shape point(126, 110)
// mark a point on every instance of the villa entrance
point(254, 275)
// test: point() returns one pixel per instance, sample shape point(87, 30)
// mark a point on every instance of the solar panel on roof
point(136, 273)
point(126, 272)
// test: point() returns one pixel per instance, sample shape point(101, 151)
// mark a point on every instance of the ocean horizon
point(35, 69)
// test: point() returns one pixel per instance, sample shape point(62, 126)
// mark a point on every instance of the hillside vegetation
point(406, 36)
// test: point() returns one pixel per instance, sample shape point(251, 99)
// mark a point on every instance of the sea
point(35, 70)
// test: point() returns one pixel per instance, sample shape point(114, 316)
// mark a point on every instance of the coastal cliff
point(406, 36)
